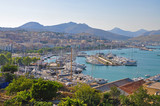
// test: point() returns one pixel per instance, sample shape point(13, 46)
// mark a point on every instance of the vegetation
point(9, 68)
point(115, 92)
point(44, 50)
point(43, 103)
point(44, 90)
point(6, 58)
point(8, 76)
point(87, 94)
point(39, 92)
point(3, 59)
point(27, 60)
point(21, 98)
point(71, 102)
point(19, 84)
point(31, 91)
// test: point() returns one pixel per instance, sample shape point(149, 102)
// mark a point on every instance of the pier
point(103, 61)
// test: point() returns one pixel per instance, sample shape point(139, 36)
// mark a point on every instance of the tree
point(43, 103)
point(19, 84)
point(115, 93)
point(9, 68)
point(140, 97)
point(27, 60)
point(3, 59)
point(9, 55)
point(87, 94)
point(40, 51)
point(45, 89)
point(20, 99)
point(9, 77)
point(34, 59)
point(19, 60)
point(124, 100)
point(71, 102)
point(155, 100)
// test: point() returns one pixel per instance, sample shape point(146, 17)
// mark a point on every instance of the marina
point(147, 63)
point(92, 66)
point(110, 60)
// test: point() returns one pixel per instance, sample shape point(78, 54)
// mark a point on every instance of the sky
point(102, 14)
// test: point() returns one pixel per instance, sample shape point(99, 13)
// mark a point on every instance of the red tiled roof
point(131, 87)
point(107, 86)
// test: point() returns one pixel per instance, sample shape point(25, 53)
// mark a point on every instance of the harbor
point(89, 66)
point(110, 60)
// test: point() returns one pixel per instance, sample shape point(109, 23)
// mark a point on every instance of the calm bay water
point(147, 63)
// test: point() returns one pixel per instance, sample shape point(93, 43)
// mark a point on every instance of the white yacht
point(131, 63)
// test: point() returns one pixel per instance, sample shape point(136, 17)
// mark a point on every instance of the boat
point(131, 63)
point(138, 78)
point(122, 53)
point(82, 66)
point(82, 54)
point(147, 76)
point(101, 80)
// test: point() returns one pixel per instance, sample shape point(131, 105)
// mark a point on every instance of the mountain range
point(149, 33)
point(71, 27)
point(150, 36)
point(128, 33)
point(75, 28)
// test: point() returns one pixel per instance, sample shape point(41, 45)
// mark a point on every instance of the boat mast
point(71, 64)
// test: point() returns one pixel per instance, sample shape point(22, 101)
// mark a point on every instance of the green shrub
point(45, 89)
point(19, 84)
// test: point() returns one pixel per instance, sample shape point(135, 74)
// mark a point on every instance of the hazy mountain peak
point(116, 28)
point(142, 30)
point(32, 25)
point(71, 22)
point(128, 33)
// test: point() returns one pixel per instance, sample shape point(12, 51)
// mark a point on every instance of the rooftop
point(155, 85)
point(118, 83)
point(132, 86)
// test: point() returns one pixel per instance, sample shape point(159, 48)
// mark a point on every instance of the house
point(131, 87)
point(152, 87)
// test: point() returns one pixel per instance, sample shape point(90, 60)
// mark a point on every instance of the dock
point(103, 61)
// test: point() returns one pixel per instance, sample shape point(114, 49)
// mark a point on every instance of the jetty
point(110, 60)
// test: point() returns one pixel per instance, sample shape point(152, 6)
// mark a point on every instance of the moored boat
point(131, 63)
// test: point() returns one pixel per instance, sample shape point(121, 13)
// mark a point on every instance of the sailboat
point(131, 62)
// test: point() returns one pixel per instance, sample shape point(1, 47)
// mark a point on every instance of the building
point(131, 87)
point(6, 47)
point(118, 83)
point(152, 87)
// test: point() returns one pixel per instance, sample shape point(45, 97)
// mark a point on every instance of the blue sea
point(147, 63)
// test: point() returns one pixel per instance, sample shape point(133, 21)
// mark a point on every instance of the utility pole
point(71, 64)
